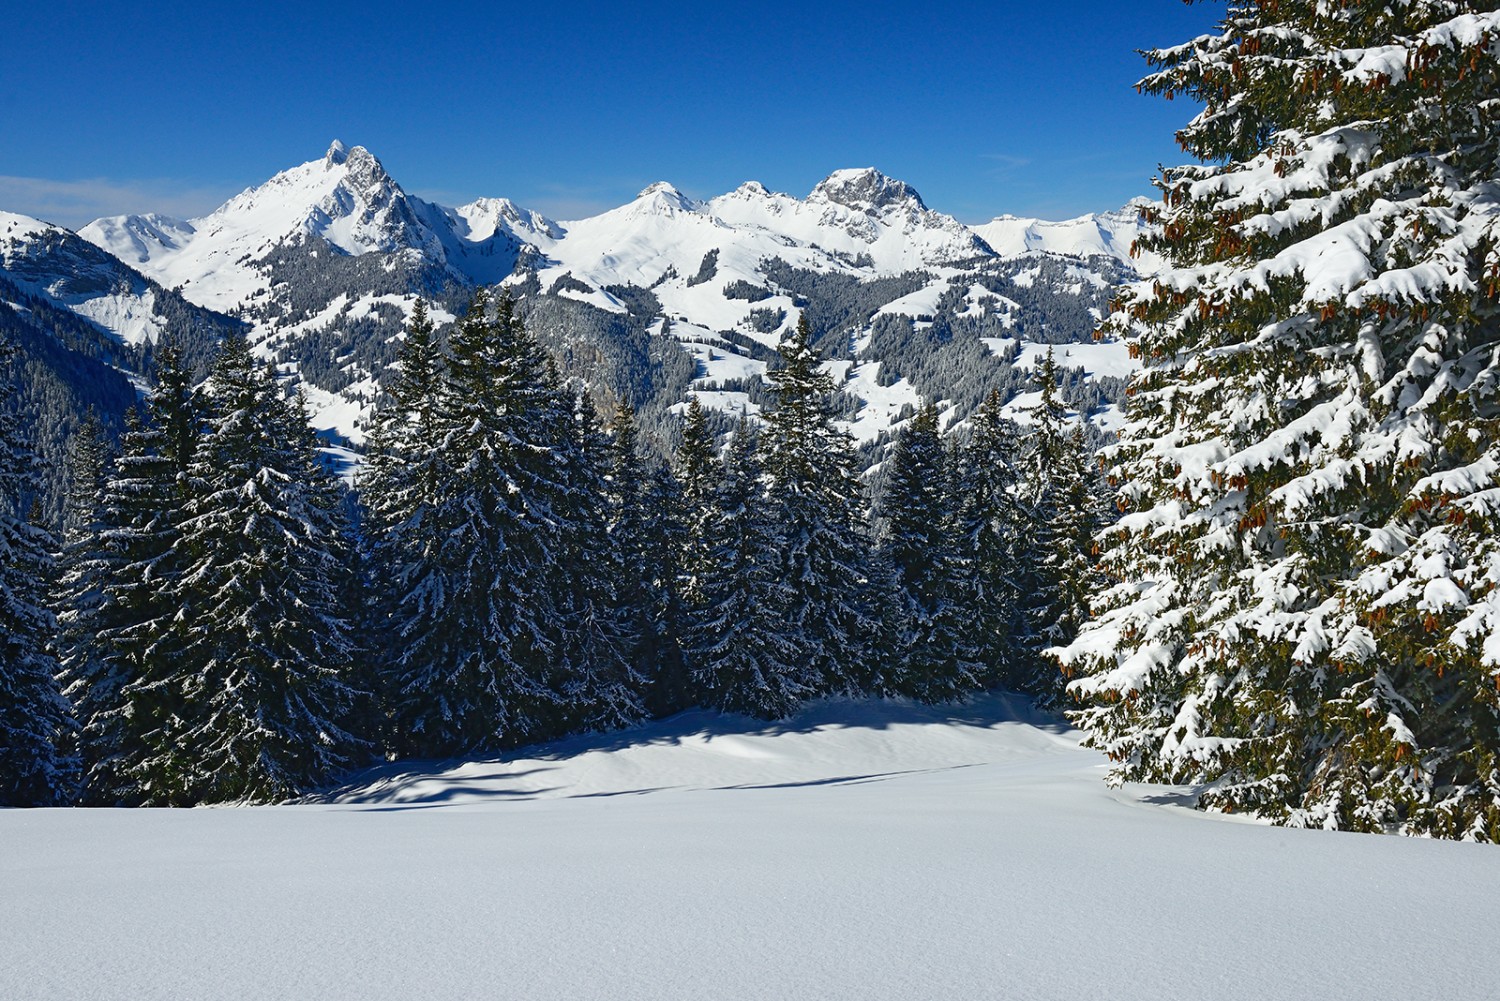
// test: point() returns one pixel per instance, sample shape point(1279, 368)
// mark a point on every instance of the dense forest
point(221, 619)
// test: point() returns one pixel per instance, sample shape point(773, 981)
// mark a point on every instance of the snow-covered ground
point(859, 851)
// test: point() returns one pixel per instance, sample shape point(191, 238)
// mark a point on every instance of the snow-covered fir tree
point(129, 694)
point(601, 613)
point(400, 487)
point(934, 657)
point(263, 652)
point(476, 625)
point(36, 725)
point(815, 503)
point(1306, 616)
point(697, 470)
point(742, 656)
point(86, 566)
point(993, 536)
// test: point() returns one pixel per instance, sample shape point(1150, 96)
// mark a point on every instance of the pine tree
point(86, 567)
point(137, 626)
point(698, 472)
point(401, 488)
point(601, 615)
point(477, 622)
point(933, 660)
point(1306, 608)
point(261, 657)
point(742, 657)
point(36, 726)
point(993, 536)
point(816, 504)
point(1047, 463)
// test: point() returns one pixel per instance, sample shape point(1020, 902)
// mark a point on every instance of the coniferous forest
point(222, 619)
point(1279, 583)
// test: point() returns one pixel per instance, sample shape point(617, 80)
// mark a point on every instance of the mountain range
point(651, 301)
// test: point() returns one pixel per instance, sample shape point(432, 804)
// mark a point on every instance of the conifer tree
point(477, 622)
point(36, 726)
point(933, 660)
point(816, 505)
point(600, 615)
point(86, 567)
point(1306, 608)
point(742, 657)
point(698, 473)
point(993, 538)
point(401, 487)
point(262, 652)
point(131, 692)
point(1046, 464)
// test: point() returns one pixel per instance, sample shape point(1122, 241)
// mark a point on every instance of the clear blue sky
point(571, 108)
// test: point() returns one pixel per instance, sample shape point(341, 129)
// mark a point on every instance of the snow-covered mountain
point(663, 296)
point(1107, 234)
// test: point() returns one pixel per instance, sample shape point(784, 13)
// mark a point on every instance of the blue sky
point(571, 108)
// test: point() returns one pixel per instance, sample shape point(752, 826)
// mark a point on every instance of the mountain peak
point(663, 196)
point(865, 188)
point(337, 154)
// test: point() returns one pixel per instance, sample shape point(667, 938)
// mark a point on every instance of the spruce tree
point(933, 659)
point(816, 504)
point(601, 614)
point(994, 541)
point(36, 725)
point(401, 487)
point(86, 567)
point(1305, 608)
point(698, 473)
point(262, 651)
point(742, 656)
point(477, 624)
point(137, 626)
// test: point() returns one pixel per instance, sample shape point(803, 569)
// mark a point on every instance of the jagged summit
point(865, 188)
point(337, 153)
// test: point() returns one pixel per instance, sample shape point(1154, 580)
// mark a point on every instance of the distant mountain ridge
point(654, 300)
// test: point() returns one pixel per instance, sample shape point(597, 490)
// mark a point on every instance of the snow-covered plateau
point(858, 850)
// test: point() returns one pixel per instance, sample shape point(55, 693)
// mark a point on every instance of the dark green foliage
point(815, 502)
point(933, 657)
point(36, 726)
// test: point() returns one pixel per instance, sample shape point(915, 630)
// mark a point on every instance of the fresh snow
point(858, 850)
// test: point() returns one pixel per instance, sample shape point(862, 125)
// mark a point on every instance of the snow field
point(860, 850)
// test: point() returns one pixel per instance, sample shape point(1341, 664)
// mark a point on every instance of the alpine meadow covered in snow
point(772, 596)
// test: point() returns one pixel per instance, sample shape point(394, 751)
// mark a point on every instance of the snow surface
point(860, 850)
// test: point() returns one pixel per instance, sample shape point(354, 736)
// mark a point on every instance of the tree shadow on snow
point(411, 784)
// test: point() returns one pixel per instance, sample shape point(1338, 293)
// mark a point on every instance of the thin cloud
point(76, 203)
point(1006, 161)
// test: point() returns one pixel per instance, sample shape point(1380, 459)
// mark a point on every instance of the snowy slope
point(53, 262)
point(859, 851)
point(1107, 234)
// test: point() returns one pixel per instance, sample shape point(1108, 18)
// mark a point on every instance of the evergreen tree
point(86, 567)
point(1305, 613)
point(260, 658)
point(401, 488)
point(476, 625)
point(126, 691)
point(993, 539)
point(601, 613)
point(1045, 467)
point(816, 505)
point(742, 657)
point(36, 726)
point(933, 660)
point(698, 472)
